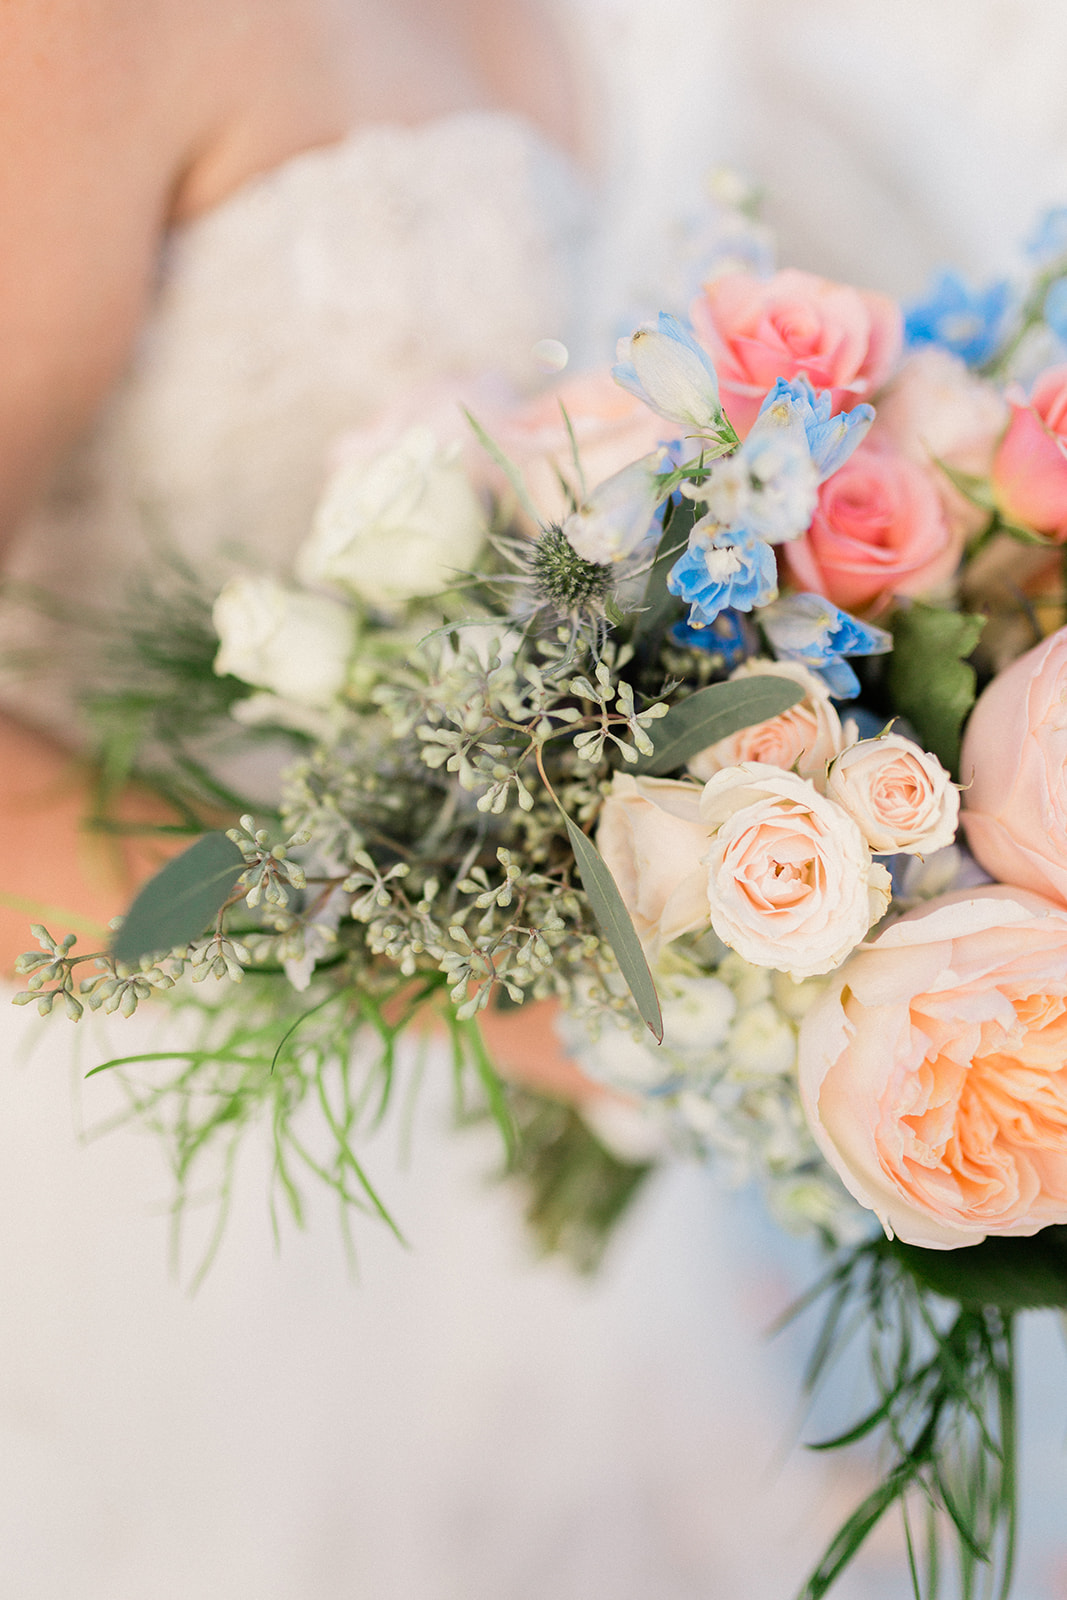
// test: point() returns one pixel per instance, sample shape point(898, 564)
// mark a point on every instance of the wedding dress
point(459, 1421)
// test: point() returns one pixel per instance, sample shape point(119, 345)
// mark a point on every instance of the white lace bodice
point(300, 307)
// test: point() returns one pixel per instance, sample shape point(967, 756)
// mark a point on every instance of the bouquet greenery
point(644, 700)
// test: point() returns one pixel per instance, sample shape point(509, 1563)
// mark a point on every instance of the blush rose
point(1030, 467)
point(791, 883)
point(808, 736)
point(933, 1069)
point(901, 797)
point(759, 329)
point(879, 530)
point(1013, 765)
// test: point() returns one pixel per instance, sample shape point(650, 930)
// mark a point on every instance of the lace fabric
point(299, 308)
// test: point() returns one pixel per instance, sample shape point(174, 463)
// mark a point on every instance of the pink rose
point(936, 409)
point(1030, 469)
point(790, 880)
point(933, 1069)
point(1013, 766)
point(652, 838)
point(901, 796)
point(612, 428)
point(760, 329)
point(879, 530)
point(808, 736)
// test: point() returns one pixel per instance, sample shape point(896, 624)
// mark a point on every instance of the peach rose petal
point(933, 1070)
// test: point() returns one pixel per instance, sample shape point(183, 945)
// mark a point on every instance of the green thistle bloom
point(564, 579)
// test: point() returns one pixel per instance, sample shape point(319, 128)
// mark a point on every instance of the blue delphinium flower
point(807, 628)
point(1056, 308)
point(831, 438)
point(967, 321)
point(1049, 239)
point(726, 637)
point(663, 365)
point(722, 568)
point(768, 487)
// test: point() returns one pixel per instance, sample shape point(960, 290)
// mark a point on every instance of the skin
point(118, 119)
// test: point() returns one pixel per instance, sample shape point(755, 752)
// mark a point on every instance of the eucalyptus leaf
point(615, 925)
point(177, 904)
point(715, 713)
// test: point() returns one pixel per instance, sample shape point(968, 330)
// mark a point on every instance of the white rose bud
point(396, 526)
point(901, 796)
point(652, 840)
point(294, 644)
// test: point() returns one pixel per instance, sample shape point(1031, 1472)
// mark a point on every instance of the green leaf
point(1012, 1274)
point(615, 925)
point(928, 682)
point(714, 713)
point(508, 468)
point(177, 904)
point(658, 604)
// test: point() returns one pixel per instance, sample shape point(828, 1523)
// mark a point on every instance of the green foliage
point(1010, 1274)
point(714, 713)
point(617, 928)
point(659, 606)
point(929, 682)
point(576, 1191)
point(944, 1379)
point(181, 900)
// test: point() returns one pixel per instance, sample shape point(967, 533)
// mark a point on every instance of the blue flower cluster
point(830, 439)
point(761, 495)
point(723, 568)
point(969, 322)
point(807, 628)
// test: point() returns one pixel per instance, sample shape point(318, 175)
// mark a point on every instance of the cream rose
point(652, 838)
point(808, 736)
point(397, 525)
point(1013, 765)
point(901, 796)
point(296, 645)
point(791, 883)
point(933, 1069)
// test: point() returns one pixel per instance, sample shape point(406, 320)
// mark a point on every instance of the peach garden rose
point(1013, 766)
point(759, 329)
point(933, 1069)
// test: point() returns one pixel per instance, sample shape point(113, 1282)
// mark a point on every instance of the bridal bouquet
point(720, 701)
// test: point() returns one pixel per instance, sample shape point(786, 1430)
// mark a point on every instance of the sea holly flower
point(831, 438)
point(616, 518)
point(722, 568)
point(663, 365)
point(967, 321)
point(808, 629)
